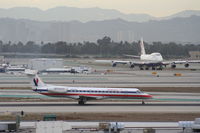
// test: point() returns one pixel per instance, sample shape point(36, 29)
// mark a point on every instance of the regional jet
point(153, 60)
point(84, 94)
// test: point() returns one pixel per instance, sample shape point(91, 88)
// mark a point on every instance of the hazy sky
point(152, 7)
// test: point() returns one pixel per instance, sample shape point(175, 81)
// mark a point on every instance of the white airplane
point(84, 94)
point(153, 60)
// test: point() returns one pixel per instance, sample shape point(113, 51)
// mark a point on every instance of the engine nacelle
point(186, 65)
point(114, 64)
point(173, 66)
point(132, 66)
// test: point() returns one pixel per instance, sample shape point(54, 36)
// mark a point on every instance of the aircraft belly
point(96, 96)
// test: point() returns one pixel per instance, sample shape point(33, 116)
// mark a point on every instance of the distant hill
point(70, 14)
point(177, 30)
point(82, 14)
point(184, 14)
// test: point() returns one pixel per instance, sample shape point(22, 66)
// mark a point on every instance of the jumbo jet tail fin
point(35, 79)
point(142, 47)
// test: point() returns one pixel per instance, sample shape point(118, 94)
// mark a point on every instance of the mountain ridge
point(176, 29)
point(65, 13)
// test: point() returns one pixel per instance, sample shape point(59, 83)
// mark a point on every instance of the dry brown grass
point(140, 117)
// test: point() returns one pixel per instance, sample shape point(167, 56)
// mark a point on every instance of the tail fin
point(142, 47)
point(35, 79)
point(37, 82)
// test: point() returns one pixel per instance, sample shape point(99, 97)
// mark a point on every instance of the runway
point(158, 96)
point(162, 102)
point(99, 107)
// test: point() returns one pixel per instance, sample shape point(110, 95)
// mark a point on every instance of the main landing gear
point(143, 103)
point(82, 100)
point(153, 67)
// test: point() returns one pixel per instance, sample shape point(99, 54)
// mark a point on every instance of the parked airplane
point(153, 60)
point(84, 94)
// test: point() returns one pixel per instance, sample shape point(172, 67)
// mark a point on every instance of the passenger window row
point(94, 91)
point(91, 91)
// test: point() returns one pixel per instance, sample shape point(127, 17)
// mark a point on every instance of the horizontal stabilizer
point(30, 72)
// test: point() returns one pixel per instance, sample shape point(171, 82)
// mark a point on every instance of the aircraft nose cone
point(149, 96)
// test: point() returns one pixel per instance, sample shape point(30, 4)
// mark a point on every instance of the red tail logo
point(35, 80)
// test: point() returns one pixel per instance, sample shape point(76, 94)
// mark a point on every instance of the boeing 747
point(153, 60)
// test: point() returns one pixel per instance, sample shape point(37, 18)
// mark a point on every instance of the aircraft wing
point(113, 62)
point(121, 62)
point(103, 61)
point(181, 62)
point(165, 62)
point(87, 97)
point(185, 62)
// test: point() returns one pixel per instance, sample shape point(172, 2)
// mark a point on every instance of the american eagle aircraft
point(146, 61)
point(84, 94)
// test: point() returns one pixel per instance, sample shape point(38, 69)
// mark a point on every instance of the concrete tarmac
point(100, 107)
point(162, 102)
point(118, 78)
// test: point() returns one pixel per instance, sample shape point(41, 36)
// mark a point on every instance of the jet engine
point(132, 66)
point(186, 65)
point(173, 66)
point(114, 64)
